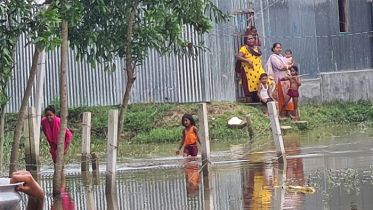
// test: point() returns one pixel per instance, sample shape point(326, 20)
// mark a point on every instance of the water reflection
point(192, 179)
point(88, 192)
point(112, 202)
point(294, 174)
point(342, 177)
point(255, 194)
point(66, 202)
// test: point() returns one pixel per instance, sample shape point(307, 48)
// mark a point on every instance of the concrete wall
point(331, 86)
point(310, 91)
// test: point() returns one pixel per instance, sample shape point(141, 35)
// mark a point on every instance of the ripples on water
point(339, 170)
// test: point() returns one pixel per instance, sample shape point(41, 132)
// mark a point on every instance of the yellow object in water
point(307, 190)
point(303, 189)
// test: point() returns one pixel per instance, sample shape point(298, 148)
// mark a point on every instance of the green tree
point(70, 12)
point(12, 25)
point(128, 29)
point(41, 27)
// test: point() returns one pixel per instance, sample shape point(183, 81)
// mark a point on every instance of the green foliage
point(156, 25)
point(44, 29)
point(160, 123)
point(140, 118)
point(159, 135)
point(13, 14)
point(337, 112)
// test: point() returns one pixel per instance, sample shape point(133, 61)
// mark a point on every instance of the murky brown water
point(337, 161)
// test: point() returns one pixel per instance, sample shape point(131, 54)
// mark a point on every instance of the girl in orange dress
point(190, 137)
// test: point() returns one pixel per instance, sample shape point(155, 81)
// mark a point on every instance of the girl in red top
point(190, 137)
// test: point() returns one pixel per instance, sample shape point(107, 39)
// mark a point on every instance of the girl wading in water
point(190, 137)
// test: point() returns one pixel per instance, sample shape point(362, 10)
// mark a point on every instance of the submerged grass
point(161, 123)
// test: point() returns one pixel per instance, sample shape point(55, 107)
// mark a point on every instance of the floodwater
point(337, 162)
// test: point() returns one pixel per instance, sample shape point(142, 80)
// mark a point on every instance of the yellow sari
point(253, 73)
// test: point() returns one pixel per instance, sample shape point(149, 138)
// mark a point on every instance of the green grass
point(161, 123)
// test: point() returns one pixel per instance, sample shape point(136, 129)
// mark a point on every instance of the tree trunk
point(2, 134)
point(22, 111)
point(130, 71)
point(3, 107)
point(59, 165)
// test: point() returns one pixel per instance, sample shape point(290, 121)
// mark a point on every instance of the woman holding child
point(249, 66)
point(278, 69)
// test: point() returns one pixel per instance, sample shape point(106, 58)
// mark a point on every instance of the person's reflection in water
point(66, 200)
point(294, 174)
point(257, 179)
point(192, 178)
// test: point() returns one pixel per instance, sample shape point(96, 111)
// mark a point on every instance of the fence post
point(208, 193)
point(86, 141)
point(90, 201)
point(112, 146)
point(40, 78)
point(95, 168)
point(31, 144)
point(204, 137)
point(249, 126)
point(276, 131)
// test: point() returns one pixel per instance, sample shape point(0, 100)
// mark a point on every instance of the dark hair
point(291, 52)
point(252, 28)
point(263, 75)
point(275, 45)
point(50, 108)
point(295, 68)
point(190, 118)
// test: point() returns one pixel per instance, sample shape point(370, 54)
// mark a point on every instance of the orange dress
point(190, 143)
point(190, 136)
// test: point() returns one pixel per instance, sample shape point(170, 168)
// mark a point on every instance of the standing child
point(190, 137)
point(295, 83)
point(264, 92)
point(51, 127)
point(254, 32)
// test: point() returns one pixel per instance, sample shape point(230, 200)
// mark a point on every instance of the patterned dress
point(252, 73)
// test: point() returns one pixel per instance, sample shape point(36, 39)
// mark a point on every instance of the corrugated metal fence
point(317, 46)
point(207, 77)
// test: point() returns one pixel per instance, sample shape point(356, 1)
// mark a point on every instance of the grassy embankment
point(161, 123)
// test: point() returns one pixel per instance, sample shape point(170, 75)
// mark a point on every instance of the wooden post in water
point(207, 189)
point(112, 201)
point(204, 137)
point(86, 141)
point(276, 131)
point(95, 168)
point(249, 126)
point(279, 192)
point(31, 144)
point(90, 201)
point(112, 146)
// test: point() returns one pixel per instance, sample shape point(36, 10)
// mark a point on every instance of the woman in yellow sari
point(249, 66)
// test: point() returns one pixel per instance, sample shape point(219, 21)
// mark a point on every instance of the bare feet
point(291, 116)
